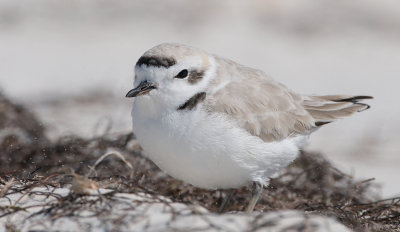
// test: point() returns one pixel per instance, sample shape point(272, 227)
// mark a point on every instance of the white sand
point(143, 212)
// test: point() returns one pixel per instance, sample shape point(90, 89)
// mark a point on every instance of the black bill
point(143, 88)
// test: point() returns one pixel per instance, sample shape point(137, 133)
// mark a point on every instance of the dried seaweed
point(310, 184)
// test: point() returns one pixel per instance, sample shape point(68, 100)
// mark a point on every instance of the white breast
point(207, 150)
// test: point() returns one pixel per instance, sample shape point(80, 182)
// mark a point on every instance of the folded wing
point(270, 110)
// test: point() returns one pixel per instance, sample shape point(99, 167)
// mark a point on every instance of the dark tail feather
point(328, 108)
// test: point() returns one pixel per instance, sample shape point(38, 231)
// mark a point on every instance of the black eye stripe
point(182, 74)
point(195, 76)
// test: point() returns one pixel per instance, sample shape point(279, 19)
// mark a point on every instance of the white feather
point(208, 150)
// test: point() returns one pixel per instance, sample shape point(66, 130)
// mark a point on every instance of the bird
point(216, 124)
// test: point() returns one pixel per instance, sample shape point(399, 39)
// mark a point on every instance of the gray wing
point(270, 110)
point(262, 106)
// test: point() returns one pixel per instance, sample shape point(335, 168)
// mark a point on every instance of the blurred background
point(72, 62)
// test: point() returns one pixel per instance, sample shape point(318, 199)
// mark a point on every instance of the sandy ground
point(144, 212)
point(72, 61)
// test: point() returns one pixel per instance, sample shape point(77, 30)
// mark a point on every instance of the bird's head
point(172, 73)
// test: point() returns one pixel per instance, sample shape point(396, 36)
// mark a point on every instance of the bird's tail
point(328, 108)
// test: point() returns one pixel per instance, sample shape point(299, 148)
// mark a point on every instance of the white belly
point(208, 151)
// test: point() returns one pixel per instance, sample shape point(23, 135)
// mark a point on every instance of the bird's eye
point(182, 74)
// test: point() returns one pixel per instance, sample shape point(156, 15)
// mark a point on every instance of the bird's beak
point(143, 88)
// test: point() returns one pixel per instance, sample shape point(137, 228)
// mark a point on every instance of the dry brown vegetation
point(28, 159)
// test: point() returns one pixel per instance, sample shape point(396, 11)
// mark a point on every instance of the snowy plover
point(217, 124)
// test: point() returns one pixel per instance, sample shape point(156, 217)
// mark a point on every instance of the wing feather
point(270, 110)
point(260, 105)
